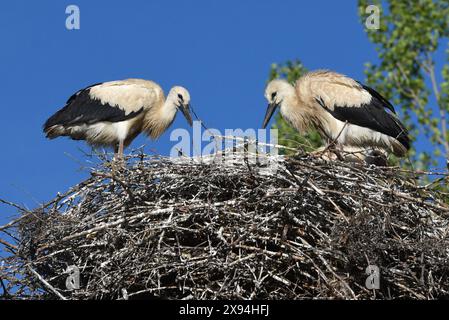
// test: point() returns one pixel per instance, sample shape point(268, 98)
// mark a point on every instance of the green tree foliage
point(409, 36)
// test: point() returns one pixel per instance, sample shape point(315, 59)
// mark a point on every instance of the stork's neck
point(289, 105)
point(294, 111)
point(169, 108)
point(159, 118)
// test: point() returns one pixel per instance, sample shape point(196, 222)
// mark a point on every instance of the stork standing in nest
point(112, 114)
point(342, 110)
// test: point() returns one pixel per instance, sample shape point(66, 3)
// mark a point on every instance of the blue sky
point(220, 50)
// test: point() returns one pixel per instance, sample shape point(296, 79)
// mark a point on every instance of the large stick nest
point(233, 230)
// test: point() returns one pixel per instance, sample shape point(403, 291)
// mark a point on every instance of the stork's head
point(276, 93)
point(181, 99)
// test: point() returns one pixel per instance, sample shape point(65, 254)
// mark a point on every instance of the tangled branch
point(294, 228)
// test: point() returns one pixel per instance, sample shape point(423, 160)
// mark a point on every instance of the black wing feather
point(378, 96)
point(73, 96)
point(81, 108)
point(372, 116)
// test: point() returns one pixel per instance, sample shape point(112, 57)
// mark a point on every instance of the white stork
point(342, 110)
point(113, 113)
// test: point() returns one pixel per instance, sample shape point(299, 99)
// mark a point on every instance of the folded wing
point(352, 102)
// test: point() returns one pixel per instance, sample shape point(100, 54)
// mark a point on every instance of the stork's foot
point(118, 165)
point(353, 155)
point(377, 158)
point(365, 156)
point(327, 153)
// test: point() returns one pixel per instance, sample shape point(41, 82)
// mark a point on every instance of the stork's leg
point(120, 149)
point(327, 152)
point(116, 151)
point(118, 157)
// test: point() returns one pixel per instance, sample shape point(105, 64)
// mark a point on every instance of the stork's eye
point(273, 95)
point(180, 97)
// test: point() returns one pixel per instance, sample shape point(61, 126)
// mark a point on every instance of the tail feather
point(400, 146)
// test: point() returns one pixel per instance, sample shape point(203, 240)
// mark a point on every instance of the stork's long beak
point(185, 108)
point(270, 110)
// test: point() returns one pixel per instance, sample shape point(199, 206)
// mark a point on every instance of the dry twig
point(195, 228)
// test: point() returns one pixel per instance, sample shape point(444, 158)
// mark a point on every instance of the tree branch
point(436, 92)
